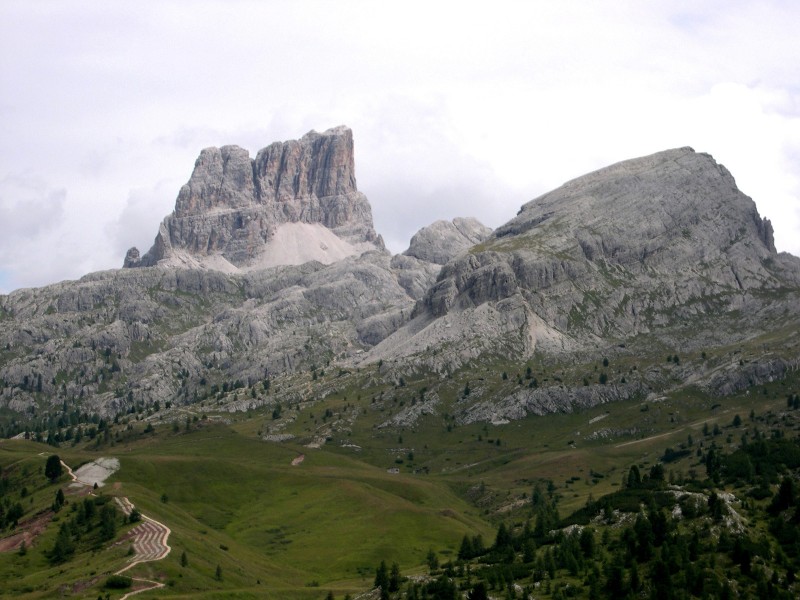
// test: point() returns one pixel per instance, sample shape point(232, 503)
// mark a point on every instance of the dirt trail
point(652, 437)
point(149, 540)
point(695, 425)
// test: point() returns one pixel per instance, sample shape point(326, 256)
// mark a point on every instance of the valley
point(278, 528)
point(598, 399)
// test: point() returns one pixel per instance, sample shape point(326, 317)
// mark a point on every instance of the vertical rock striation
point(227, 216)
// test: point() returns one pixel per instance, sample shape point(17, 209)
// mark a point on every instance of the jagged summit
point(296, 201)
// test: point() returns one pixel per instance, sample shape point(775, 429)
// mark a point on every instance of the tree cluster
point(93, 522)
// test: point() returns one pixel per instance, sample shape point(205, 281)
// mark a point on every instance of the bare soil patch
point(27, 531)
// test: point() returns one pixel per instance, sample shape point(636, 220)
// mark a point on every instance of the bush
point(671, 455)
point(118, 582)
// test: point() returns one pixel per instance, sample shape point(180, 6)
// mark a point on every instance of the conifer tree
point(53, 468)
point(382, 579)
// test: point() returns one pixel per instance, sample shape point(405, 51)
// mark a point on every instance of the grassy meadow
point(239, 508)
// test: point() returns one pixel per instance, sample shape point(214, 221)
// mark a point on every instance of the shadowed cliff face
point(230, 209)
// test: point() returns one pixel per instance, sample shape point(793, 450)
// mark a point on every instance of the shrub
point(118, 582)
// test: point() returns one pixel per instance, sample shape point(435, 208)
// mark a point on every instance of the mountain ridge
point(636, 240)
point(643, 257)
point(297, 424)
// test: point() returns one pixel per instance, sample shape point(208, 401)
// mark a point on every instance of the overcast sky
point(457, 108)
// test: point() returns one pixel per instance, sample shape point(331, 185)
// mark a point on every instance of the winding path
point(149, 540)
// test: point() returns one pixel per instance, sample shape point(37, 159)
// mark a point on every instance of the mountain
point(609, 381)
point(656, 247)
point(433, 246)
point(265, 266)
point(295, 202)
point(270, 267)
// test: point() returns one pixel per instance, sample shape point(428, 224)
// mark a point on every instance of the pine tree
point(63, 547)
point(108, 522)
point(432, 559)
point(382, 579)
point(503, 537)
point(53, 468)
point(465, 551)
point(644, 538)
point(394, 578)
point(59, 500)
point(634, 478)
point(478, 592)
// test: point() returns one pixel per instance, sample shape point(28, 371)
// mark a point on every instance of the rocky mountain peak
point(296, 201)
point(433, 246)
point(647, 204)
point(319, 164)
point(634, 262)
point(651, 244)
point(442, 240)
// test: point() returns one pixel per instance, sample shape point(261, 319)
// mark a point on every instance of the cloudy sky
point(457, 108)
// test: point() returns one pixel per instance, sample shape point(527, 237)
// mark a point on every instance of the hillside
point(298, 405)
point(651, 256)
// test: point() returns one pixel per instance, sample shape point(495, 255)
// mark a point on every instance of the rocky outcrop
point(132, 258)
point(546, 400)
point(648, 246)
point(147, 335)
point(443, 240)
point(296, 201)
point(271, 266)
point(433, 246)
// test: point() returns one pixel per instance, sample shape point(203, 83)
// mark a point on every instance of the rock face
point(433, 246)
point(296, 201)
point(655, 244)
point(271, 267)
point(439, 242)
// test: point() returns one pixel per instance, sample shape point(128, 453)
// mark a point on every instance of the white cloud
point(134, 225)
point(28, 208)
point(30, 213)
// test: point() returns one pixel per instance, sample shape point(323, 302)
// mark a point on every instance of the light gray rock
point(657, 253)
point(546, 400)
point(443, 240)
point(660, 245)
point(433, 246)
point(230, 209)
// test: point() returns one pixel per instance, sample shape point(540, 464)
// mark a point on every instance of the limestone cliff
point(264, 271)
point(433, 246)
point(296, 201)
point(656, 247)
